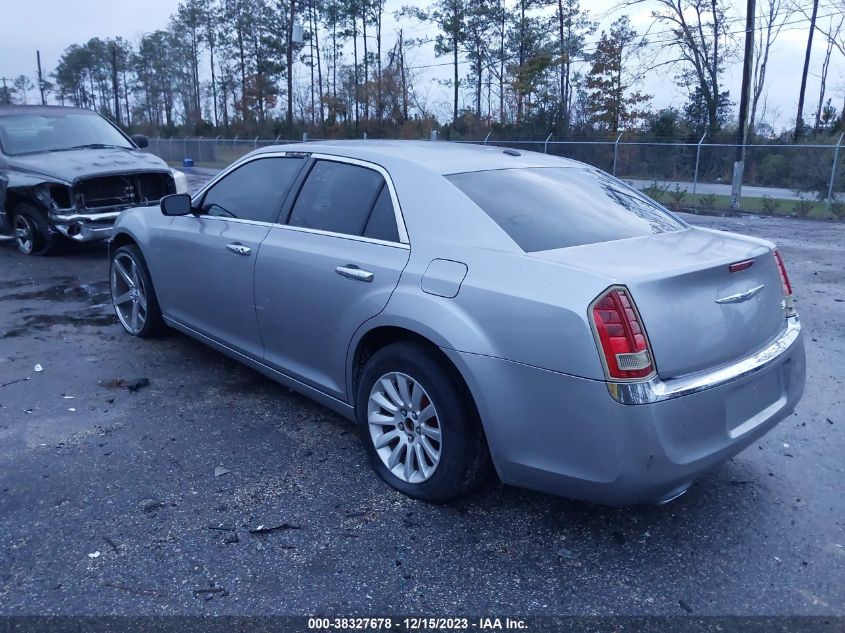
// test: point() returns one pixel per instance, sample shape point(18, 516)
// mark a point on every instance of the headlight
point(181, 181)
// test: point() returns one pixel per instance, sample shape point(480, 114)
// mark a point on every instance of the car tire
point(31, 230)
point(133, 295)
point(462, 460)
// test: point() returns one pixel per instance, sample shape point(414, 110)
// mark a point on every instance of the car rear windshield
point(556, 207)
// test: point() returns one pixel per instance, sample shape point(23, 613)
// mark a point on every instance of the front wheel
point(133, 295)
point(419, 425)
point(31, 230)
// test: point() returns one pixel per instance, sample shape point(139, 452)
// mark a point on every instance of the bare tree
point(834, 32)
point(23, 84)
point(771, 15)
point(826, 67)
point(835, 37)
point(702, 41)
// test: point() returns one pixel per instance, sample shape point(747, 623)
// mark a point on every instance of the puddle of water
point(97, 295)
point(21, 283)
point(40, 322)
point(96, 292)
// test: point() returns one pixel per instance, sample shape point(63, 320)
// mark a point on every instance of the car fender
point(18, 185)
point(440, 320)
point(130, 223)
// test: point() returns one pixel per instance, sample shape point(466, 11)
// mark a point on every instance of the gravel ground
point(110, 504)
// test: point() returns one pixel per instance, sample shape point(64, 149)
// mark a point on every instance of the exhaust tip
point(673, 495)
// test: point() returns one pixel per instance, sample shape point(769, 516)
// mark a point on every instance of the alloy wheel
point(128, 293)
point(24, 234)
point(404, 427)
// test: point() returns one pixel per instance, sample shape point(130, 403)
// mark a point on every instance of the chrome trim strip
point(345, 236)
point(397, 209)
point(741, 296)
point(85, 217)
point(656, 390)
point(303, 229)
point(223, 218)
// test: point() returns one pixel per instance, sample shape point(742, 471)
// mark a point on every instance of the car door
point(209, 258)
point(329, 268)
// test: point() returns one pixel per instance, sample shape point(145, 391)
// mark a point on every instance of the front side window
point(342, 198)
point(253, 191)
point(546, 208)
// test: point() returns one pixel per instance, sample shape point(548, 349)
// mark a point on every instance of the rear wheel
point(133, 295)
point(31, 230)
point(419, 425)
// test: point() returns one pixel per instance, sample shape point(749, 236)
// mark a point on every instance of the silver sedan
point(476, 309)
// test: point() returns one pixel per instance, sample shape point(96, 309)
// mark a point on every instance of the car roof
point(6, 110)
point(437, 156)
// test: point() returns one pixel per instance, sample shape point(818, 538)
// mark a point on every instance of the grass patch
point(763, 206)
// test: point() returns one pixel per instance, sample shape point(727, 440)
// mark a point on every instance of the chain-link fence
point(208, 152)
point(807, 179)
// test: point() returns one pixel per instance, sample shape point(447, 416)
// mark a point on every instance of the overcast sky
point(53, 25)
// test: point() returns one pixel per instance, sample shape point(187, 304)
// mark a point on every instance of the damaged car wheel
point(31, 230)
point(133, 295)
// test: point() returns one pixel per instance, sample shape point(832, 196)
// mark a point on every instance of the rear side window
point(253, 191)
point(337, 197)
point(382, 222)
point(547, 208)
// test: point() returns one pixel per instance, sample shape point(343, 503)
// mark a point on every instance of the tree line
point(517, 67)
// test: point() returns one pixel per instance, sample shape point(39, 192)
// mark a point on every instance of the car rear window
point(556, 207)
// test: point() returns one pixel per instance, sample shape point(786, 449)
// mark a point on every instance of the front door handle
point(238, 249)
point(351, 271)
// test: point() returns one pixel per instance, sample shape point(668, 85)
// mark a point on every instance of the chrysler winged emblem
point(741, 296)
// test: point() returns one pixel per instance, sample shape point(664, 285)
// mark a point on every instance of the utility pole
point(114, 83)
point(5, 98)
point(403, 78)
point(742, 129)
point(290, 66)
point(40, 78)
point(799, 119)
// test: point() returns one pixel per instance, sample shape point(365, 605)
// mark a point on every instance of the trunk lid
point(675, 280)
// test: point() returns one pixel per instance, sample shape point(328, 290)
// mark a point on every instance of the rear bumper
point(656, 390)
point(85, 227)
point(567, 436)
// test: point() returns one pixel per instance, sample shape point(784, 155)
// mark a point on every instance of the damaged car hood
point(68, 165)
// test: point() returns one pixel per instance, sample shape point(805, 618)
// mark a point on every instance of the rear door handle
point(239, 249)
point(351, 271)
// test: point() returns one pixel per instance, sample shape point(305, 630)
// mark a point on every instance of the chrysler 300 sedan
point(473, 308)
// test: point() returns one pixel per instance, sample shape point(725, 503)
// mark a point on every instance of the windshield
point(546, 208)
point(50, 132)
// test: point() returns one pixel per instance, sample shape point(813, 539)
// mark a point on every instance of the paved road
point(720, 189)
point(109, 502)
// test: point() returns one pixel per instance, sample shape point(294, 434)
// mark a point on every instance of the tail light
point(788, 303)
point(621, 336)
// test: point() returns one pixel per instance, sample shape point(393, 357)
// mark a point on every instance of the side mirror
point(176, 204)
point(140, 140)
